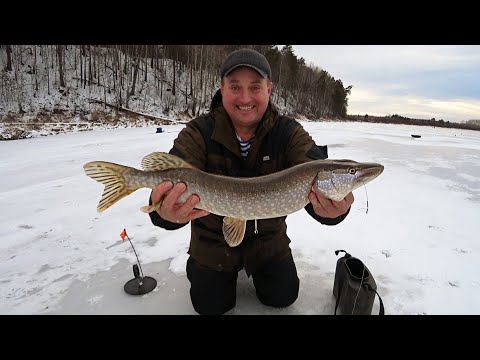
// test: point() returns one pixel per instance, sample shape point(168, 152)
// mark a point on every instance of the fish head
point(336, 178)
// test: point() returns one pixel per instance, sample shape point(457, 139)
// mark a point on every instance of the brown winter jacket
point(209, 143)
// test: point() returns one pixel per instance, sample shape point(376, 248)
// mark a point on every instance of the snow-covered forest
point(162, 80)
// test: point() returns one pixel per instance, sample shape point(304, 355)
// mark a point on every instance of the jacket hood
point(216, 100)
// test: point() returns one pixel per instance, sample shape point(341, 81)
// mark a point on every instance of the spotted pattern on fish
point(262, 197)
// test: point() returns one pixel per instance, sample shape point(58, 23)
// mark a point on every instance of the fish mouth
point(371, 171)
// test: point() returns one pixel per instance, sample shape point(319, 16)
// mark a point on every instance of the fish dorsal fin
point(163, 161)
point(233, 230)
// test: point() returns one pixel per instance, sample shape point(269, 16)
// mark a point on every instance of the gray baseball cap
point(246, 57)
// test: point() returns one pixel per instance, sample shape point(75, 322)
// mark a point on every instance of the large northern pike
point(237, 199)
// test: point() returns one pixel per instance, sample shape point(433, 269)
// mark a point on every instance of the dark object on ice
point(159, 130)
point(416, 136)
point(354, 287)
point(139, 285)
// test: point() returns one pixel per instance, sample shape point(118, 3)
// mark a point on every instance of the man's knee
point(205, 305)
point(211, 292)
point(277, 283)
point(281, 295)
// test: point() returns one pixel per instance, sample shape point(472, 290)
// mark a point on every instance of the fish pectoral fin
point(233, 230)
point(151, 208)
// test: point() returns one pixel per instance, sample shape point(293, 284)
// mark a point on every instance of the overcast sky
point(418, 81)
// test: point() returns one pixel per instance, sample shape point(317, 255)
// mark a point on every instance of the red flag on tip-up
point(123, 234)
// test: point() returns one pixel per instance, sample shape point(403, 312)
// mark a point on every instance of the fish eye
point(352, 171)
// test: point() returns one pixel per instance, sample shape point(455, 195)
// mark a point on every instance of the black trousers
point(215, 292)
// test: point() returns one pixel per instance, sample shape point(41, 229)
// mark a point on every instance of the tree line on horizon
point(173, 76)
point(398, 119)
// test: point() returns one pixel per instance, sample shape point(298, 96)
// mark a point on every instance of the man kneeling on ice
point(243, 135)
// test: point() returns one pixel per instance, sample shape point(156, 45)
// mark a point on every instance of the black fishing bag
point(354, 287)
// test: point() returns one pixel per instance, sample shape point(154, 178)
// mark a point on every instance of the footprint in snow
point(454, 284)
point(386, 253)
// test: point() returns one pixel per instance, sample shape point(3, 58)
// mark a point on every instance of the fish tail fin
point(110, 175)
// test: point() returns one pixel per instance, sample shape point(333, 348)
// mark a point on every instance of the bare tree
point(200, 91)
point(18, 78)
point(186, 79)
point(61, 74)
point(46, 55)
point(193, 77)
point(90, 77)
point(135, 73)
point(85, 70)
point(8, 67)
point(174, 74)
point(145, 54)
point(162, 72)
point(35, 71)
